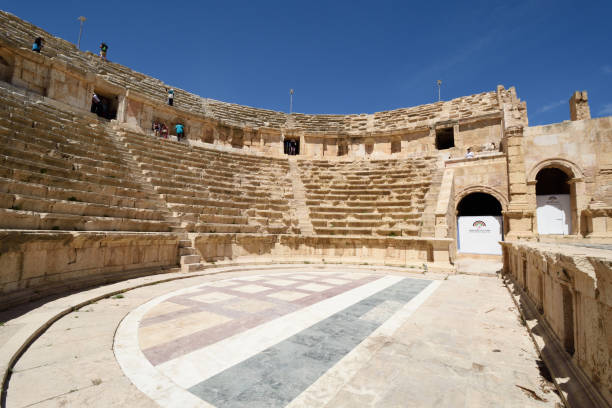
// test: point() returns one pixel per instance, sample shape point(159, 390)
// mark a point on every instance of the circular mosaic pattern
point(266, 340)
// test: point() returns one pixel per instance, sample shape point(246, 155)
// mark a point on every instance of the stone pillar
point(122, 108)
point(579, 106)
point(519, 217)
point(302, 145)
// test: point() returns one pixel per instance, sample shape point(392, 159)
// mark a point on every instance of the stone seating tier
point(62, 173)
point(198, 183)
point(370, 198)
point(19, 34)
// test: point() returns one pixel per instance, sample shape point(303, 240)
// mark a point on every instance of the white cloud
point(607, 110)
point(551, 106)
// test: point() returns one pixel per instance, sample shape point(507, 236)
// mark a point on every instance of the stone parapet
point(434, 253)
point(34, 264)
point(571, 288)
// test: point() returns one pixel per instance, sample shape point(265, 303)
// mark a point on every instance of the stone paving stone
point(443, 356)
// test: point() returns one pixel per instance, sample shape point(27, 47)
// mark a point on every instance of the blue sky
point(353, 56)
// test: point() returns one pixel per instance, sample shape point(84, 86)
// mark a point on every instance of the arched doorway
point(479, 224)
point(554, 204)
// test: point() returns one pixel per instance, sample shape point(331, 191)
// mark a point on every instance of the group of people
point(38, 44)
point(161, 130)
point(291, 147)
point(490, 147)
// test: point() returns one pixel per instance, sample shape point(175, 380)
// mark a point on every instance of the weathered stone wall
point(581, 149)
point(36, 264)
point(483, 173)
point(294, 248)
point(572, 289)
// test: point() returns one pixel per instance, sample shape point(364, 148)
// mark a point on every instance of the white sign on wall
point(480, 234)
point(553, 212)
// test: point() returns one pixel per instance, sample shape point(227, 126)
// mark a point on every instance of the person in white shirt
point(469, 154)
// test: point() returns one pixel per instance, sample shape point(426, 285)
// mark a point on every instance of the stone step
point(187, 251)
point(190, 259)
point(185, 243)
point(193, 267)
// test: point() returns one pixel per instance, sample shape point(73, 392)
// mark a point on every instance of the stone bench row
point(350, 215)
point(24, 182)
point(256, 175)
point(17, 219)
point(364, 224)
point(370, 198)
point(204, 204)
point(60, 159)
point(368, 231)
point(406, 208)
point(40, 164)
point(74, 207)
point(258, 188)
point(94, 157)
point(68, 129)
point(179, 149)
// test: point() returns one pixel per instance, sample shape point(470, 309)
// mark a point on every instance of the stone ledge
point(570, 289)
point(432, 252)
point(34, 264)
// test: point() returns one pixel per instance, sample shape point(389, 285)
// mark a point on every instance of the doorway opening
point(105, 105)
point(445, 138)
point(292, 147)
point(6, 68)
point(479, 224)
point(554, 202)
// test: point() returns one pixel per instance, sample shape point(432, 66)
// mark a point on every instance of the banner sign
point(480, 234)
point(553, 214)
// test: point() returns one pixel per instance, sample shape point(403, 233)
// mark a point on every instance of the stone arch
point(482, 189)
point(572, 170)
point(479, 219)
point(577, 188)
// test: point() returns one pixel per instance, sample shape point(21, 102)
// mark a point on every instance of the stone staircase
point(428, 227)
point(188, 260)
point(299, 199)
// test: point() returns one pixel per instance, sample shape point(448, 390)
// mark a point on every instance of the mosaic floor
point(262, 341)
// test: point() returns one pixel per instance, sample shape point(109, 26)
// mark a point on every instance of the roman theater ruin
point(299, 260)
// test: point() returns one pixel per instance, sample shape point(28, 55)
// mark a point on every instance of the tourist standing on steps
point(179, 131)
point(164, 131)
point(469, 154)
point(171, 97)
point(37, 46)
point(103, 50)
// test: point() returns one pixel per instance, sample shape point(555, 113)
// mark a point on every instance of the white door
point(480, 234)
point(553, 212)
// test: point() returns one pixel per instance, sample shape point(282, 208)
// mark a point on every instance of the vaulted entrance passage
point(553, 199)
point(479, 224)
point(292, 147)
point(104, 105)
